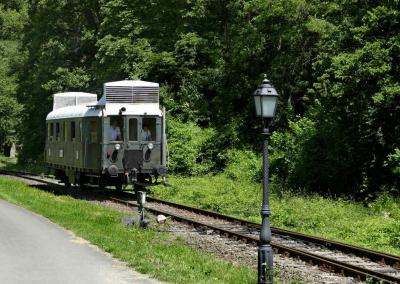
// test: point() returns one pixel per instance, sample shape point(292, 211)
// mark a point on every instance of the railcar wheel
point(67, 182)
point(83, 186)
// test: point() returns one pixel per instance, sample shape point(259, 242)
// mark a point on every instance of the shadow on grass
point(11, 164)
point(79, 193)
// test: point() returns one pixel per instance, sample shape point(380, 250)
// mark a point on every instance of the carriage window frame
point(73, 131)
point(136, 132)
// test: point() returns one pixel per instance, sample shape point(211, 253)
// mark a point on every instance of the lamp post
point(265, 100)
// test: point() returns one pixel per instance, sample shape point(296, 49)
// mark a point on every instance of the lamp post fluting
point(265, 99)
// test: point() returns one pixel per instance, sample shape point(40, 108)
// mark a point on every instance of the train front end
point(134, 148)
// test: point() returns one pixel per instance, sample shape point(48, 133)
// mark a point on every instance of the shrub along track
point(329, 255)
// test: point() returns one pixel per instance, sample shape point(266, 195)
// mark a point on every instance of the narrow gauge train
point(117, 141)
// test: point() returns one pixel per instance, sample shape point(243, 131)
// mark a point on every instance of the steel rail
point(324, 262)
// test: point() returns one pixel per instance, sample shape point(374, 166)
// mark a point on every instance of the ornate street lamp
point(265, 100)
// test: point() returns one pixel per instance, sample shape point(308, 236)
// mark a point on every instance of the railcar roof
point(132, 83)
point(61, 100)
point(110, 109)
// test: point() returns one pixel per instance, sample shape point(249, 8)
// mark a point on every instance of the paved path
point(34, 250)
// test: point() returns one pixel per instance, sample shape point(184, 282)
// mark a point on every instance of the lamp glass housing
point(265, 105)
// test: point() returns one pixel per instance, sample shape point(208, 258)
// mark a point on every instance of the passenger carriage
point(84, 145)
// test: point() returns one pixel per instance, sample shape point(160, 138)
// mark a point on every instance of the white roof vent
point(73, 99)
point(131, 92)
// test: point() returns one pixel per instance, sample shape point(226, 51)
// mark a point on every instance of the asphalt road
point(34, 250)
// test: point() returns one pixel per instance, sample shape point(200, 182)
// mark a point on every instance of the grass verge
point(147, 251)
point(376, 226)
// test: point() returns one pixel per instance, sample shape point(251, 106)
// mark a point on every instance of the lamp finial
point(265, 79)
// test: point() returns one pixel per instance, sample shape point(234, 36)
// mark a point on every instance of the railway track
point(329, 255)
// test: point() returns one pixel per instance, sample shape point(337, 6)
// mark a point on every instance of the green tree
point(356, 111)
point(60, 40)
point(12, 20)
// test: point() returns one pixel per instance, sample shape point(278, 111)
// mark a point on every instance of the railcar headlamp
point(117, 147)
point(150, 146)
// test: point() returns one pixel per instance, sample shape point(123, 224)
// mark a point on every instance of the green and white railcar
point(118, 140)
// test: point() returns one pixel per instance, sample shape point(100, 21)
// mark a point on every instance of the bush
point(287, 153)
point(393, 164)
point(243, 164)
point(186, 145)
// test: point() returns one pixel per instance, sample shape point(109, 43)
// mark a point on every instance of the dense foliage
point(334, 63)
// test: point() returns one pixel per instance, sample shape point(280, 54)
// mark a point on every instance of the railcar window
point(133, 129)
point(50, 131)
point(148, 131)
point(80, 131)
point(93, 131)
point(57, 131)
point(65, 126)
point(73, 131)
point(116, 128)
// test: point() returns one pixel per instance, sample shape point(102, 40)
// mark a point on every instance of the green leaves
point(119, 57)
point(64, 79)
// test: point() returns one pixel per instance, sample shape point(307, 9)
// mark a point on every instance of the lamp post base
point(265, 272)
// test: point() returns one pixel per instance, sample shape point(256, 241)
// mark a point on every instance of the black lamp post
point(265, 100)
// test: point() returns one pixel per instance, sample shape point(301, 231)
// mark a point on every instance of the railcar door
point(58, 143)
point(92, 143)
point(113, 135)
point(79, 145)
point(151, 132)
point(67, 144)
point(50, 152)
point(133, 155)
point(74, 141)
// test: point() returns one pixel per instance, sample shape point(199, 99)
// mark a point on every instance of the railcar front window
point(133, 129)
point(116, 124)
point(148, 131)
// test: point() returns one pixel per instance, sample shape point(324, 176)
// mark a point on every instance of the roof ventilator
point(132, 94)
